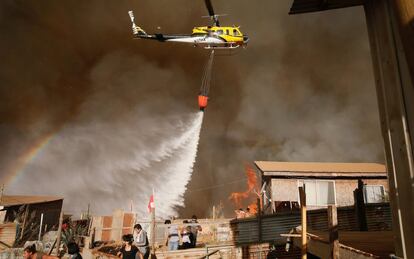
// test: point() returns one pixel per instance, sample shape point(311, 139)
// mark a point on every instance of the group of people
point(30, 252)
point(136, 245)
point(188, 234)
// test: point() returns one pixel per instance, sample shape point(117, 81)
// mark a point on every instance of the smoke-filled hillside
point(303, 90)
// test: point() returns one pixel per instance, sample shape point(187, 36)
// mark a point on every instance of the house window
point(374, 193)
point(319, 193)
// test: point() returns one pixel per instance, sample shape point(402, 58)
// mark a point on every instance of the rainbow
point(28, 155)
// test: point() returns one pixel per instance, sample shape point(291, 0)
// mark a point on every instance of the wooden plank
point(302, 196)
point(404, 10)
point(320, 247)
point(389, 74)
point(106, 228)
point(333, 232)
point(59, 233)
point(379, 243)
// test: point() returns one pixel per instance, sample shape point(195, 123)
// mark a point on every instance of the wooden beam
point(333, 232)
point(404, 11)
point(259, 220)
point(394, 100)
point(153, 233)
point(26, 214)
point(59, 233)
point(302, 196)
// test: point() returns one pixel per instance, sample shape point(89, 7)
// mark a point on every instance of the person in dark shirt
point(73, 250)
point(128, 251)
point(195, 228)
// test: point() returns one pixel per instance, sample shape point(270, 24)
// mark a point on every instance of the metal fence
point(269, 227)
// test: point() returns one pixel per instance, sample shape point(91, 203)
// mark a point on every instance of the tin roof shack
point(326, 183)
point(26, 212)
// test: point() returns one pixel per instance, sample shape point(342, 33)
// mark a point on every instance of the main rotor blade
point(209, 7)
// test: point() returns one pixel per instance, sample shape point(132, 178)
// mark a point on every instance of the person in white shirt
point(141, 241)
point(173, 238)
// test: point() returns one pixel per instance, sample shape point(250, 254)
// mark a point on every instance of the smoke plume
point(303, 90)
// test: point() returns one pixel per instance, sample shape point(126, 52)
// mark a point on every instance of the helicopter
point(209, 37)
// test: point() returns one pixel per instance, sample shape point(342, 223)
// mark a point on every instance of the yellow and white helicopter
point(209, 37)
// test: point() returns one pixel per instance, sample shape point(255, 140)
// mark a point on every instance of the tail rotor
point(136, 30)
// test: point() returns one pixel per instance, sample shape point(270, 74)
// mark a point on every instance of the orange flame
point(238, 197)
point(253, 208)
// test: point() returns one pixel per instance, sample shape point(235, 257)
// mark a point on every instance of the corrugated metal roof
point(306, 169)
point(307, 6)
point(13, 200)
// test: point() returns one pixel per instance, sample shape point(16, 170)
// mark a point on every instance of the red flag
point(151, 204)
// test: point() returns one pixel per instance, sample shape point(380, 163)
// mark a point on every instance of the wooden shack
point(23, 212)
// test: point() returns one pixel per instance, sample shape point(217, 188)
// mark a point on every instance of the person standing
point(195, 227)
point(187, 238)
point(73, 250)
point(128, 251)
point(173, 239)
point(141, 241)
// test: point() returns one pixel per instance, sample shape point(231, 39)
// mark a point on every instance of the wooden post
point(153, 232)
point(302, 196)
point(215, 229)
point(333, 232)
point(41, 225)
point(404, 10)
point(391, 58)
point(59, 233)
point(259, 220)
point(24, 220)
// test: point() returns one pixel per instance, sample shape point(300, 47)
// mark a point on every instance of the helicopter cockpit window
point(235, 32)
point(219, 32)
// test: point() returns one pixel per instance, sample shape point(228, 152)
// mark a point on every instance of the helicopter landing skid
point(220, 47)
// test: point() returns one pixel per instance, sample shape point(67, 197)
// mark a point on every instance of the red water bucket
point(202, 102)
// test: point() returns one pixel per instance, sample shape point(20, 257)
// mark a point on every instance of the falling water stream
point(112, 165)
